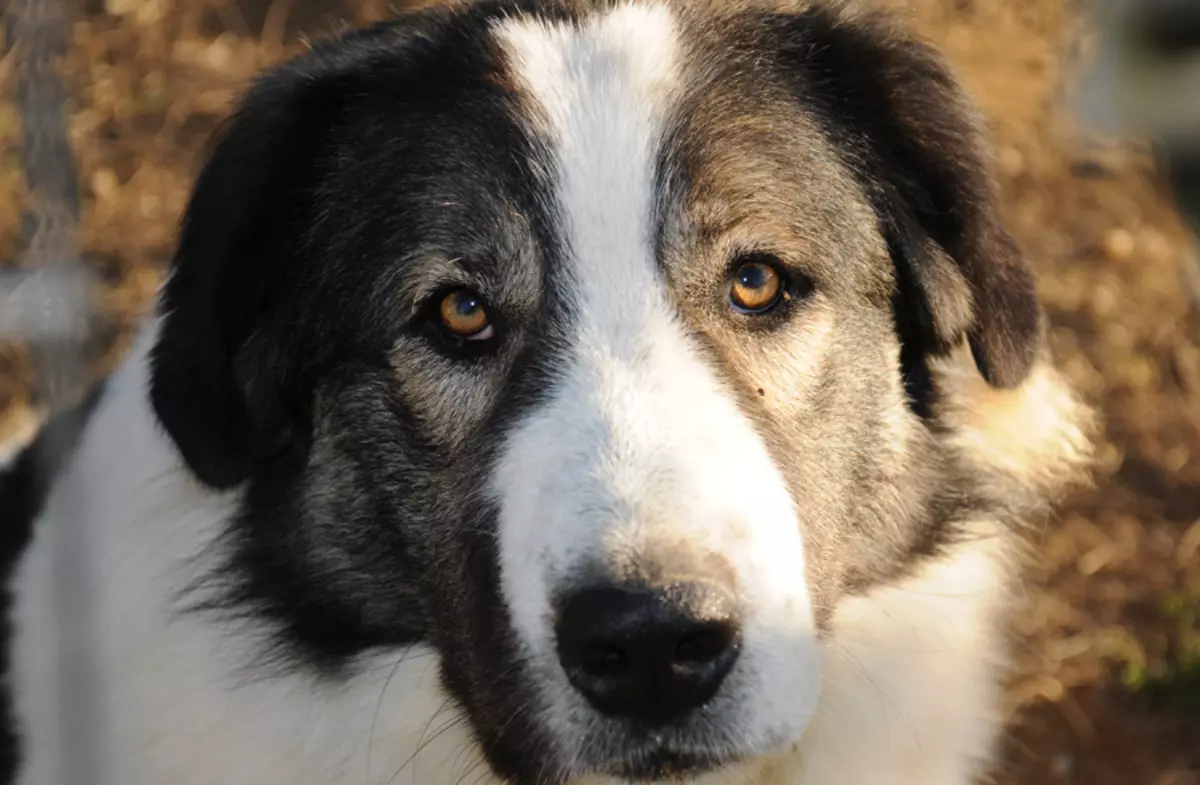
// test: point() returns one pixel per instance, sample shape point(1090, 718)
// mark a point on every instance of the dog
point(564, 392)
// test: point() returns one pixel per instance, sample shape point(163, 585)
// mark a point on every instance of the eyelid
point(790, 266)
point(428, 273)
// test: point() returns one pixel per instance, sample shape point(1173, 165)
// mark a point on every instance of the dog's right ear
point(230, 308)
point(238, 345)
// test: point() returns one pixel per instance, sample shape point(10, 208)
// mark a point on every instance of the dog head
point(590, 346)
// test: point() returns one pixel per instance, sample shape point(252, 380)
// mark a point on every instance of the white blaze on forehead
point(639, 442)
point(602, 90)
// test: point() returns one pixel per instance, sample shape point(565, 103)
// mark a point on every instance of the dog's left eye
point(463, 314)
point(757, 287)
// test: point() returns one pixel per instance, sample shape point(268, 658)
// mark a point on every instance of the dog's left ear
point(916, 142)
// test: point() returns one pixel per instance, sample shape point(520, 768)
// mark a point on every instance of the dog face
point(588, 346)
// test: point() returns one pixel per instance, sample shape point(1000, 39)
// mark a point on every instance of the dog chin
point(665, 763)
point(654, 758)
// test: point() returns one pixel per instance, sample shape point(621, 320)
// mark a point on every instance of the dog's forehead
point(615, 142)
point(599, 92)
point(664, 129)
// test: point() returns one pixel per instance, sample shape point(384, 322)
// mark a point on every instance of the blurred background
point(1107, 684)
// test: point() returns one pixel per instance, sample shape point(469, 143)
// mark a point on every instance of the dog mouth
point(666, 763)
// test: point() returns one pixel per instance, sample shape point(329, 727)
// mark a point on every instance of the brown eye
point(756, 287)
point(463, 315)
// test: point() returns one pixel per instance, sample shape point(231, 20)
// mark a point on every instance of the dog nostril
point(705, 644)
point(603, 661)
point(647, 655)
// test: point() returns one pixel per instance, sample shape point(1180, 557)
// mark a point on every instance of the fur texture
point(332, 539)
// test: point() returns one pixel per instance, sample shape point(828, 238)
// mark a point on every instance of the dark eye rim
point(429, 323)
point(793, 286)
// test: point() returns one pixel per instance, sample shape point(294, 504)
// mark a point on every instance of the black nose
point(644, 654)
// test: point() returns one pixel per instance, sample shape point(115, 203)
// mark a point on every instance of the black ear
point(917, 144)
point(231, 306)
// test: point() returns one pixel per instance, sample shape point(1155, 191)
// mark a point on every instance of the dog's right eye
point(463, 315)
point(460, 322)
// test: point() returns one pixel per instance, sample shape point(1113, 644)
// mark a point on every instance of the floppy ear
point(916, 142)
point(230, 326)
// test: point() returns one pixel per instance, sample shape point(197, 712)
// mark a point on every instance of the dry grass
point(1108, 689)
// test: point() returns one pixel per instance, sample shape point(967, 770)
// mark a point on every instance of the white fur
point(910, 671)
point(639, 443)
